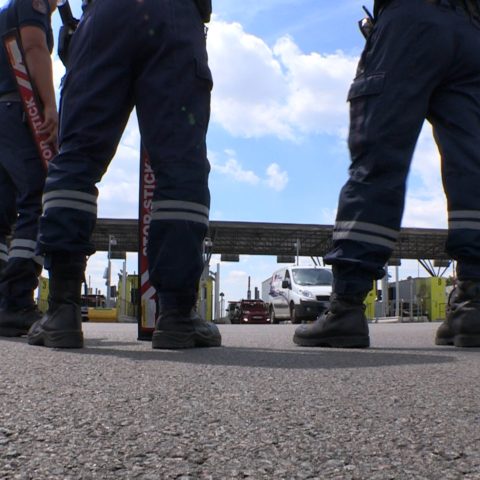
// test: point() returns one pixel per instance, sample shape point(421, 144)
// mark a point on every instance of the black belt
point(10, 97)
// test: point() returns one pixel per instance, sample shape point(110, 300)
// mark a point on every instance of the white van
point(298, 293)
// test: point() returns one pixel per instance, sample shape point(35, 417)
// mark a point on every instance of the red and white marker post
point(30, 100)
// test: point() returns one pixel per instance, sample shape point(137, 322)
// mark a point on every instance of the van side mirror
point(286, 284)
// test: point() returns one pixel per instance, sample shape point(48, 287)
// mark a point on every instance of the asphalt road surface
point(259, 407)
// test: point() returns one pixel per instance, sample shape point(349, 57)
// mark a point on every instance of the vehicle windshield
point(253, 306)
point(312, 276)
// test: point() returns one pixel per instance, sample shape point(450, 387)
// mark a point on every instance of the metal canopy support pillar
point(218, 313)
point(385, 293)
point(202, 307)
point(123, 306)
point(397, 293)
point(112, 241)
point(297, 246)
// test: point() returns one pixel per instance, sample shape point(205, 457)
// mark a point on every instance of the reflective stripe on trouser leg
point(365, 232)
point(175, 251)
point(3, 252)
point(68, 220)
point(180, 210)
point(25, 248)
point(360, 251)
point(20, 276)
point(70, 199)
point(464, 240)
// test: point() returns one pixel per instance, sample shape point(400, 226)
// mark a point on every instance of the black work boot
point(15, 323)
point(61, 326)
point(15, 320)
point(462, 325)
point(344, 325)
point(184, 329)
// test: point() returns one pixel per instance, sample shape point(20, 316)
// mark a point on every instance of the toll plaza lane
point(258, 407)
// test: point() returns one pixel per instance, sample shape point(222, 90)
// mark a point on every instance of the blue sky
point(277, 137)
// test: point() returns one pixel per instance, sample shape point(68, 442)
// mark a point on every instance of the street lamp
point(222, 304)
point(112, 241)
point(207, 254)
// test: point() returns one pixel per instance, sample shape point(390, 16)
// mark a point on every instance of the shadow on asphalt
point(268, 358)
point(296, 358)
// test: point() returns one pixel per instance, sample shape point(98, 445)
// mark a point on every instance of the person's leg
point(455, 110)
point(61, 326)
point(20, 277)
point(399, 69)
point(22, 179)
point(95, 105)
point(173, 107)
point(7, 216)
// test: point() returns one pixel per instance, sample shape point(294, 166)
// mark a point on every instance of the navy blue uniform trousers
point(150, 55)
point(22, 177)
point(421, 62)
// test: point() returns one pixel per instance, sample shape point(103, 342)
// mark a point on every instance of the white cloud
point(426, 160)
point(426, 204)
point(328, 215)
point(251, 7)
point(276, 178)
point(237, 274)
point(119, 188)
point(277, 91)
point(318, 87)
point(425, 212)
point(131, 137)
point(232, 168)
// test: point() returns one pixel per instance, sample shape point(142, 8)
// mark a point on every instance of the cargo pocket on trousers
point(362, 91)
point(366, 85)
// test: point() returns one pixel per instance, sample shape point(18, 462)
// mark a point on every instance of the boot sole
point(175, 340)
point(333, 342)
point(66, 339)
point(12, 332)
point(467, 341)
point(462, 341)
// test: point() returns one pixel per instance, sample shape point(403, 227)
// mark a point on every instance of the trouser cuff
point(176, 301)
